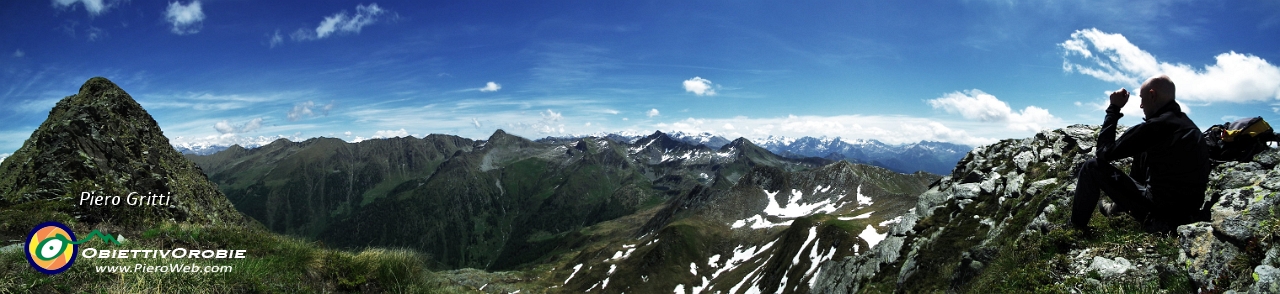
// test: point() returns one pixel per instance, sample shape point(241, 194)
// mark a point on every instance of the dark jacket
point(1169, 157)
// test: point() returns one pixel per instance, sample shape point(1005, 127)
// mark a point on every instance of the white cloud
point(225, 126)
point(95, 33)
point(212, 102)
point(390, 134)
point(551, 115)
point(652, 112)
point(94, 7)
point(699, 86)
point(19, 53)
point(342, 23)
point(889, 129)
point(308, 109)
point(38, 105)
point(476, 122)
point(973, 104)
point(276, 39)
point(611, 111)
point(186, 19)
point(977, 105)
point(549, 123)
point(491, 87)
point(1236, 77)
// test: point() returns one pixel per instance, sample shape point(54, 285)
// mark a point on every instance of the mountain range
point(657, 214)
point(927, 156)
point(495, 204)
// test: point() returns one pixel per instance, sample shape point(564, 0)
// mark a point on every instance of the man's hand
point(1119, 98)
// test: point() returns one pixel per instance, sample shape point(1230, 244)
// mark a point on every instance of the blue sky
point(971, 72)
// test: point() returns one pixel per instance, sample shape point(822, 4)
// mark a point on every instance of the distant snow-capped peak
point(213, 144)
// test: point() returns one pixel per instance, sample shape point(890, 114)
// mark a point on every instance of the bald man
point(1165, 186)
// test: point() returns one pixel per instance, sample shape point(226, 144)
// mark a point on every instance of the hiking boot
point(1110, 209)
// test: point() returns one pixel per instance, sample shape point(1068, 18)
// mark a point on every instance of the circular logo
point(51, 247)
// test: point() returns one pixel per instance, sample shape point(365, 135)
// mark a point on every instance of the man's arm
point(1134, 141)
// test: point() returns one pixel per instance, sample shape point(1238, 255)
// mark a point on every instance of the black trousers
point(1124, 191)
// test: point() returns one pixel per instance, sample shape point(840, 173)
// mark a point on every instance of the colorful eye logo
point(51, 248)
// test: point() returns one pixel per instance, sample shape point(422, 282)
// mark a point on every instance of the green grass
point(274, 264)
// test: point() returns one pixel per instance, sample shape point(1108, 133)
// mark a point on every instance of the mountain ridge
point(930, 156)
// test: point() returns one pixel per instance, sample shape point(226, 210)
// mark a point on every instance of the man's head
point(1155, 93)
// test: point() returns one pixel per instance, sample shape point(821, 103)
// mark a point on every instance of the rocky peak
point(663, 141)
point(501, 138)
point(100, 142)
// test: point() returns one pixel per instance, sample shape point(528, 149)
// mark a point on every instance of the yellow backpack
point(1239, 140)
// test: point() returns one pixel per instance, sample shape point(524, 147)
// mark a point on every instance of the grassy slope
point(275, 263)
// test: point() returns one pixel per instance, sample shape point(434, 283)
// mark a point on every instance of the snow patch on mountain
point(871, 236)
point(793, 208)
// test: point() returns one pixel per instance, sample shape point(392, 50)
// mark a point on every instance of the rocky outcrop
point(997, 223)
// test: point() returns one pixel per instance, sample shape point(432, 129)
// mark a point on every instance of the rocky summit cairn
point(100, 143)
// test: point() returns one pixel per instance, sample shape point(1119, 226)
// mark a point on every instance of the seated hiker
point(1170, 170)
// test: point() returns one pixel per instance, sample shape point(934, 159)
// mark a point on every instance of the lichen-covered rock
point(1204, 255)
point(1239, 212)
point(1266, 279)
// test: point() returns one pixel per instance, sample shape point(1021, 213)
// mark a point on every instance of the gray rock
point(1267, 159)
point(1236, 175)
point(1024, 160)
point(11, 248)
point(847, 275)
point(1273, 256)
point(1109, 267)
point(1271, 181)
point(991, 184)
point(905, 226)
point(1036, 186)
point(929, 200)
point(1204, 256)
point(1013, 186)
point(1266, 279)
point(1096, 284)
point(967, 191)
point(1239, 212)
